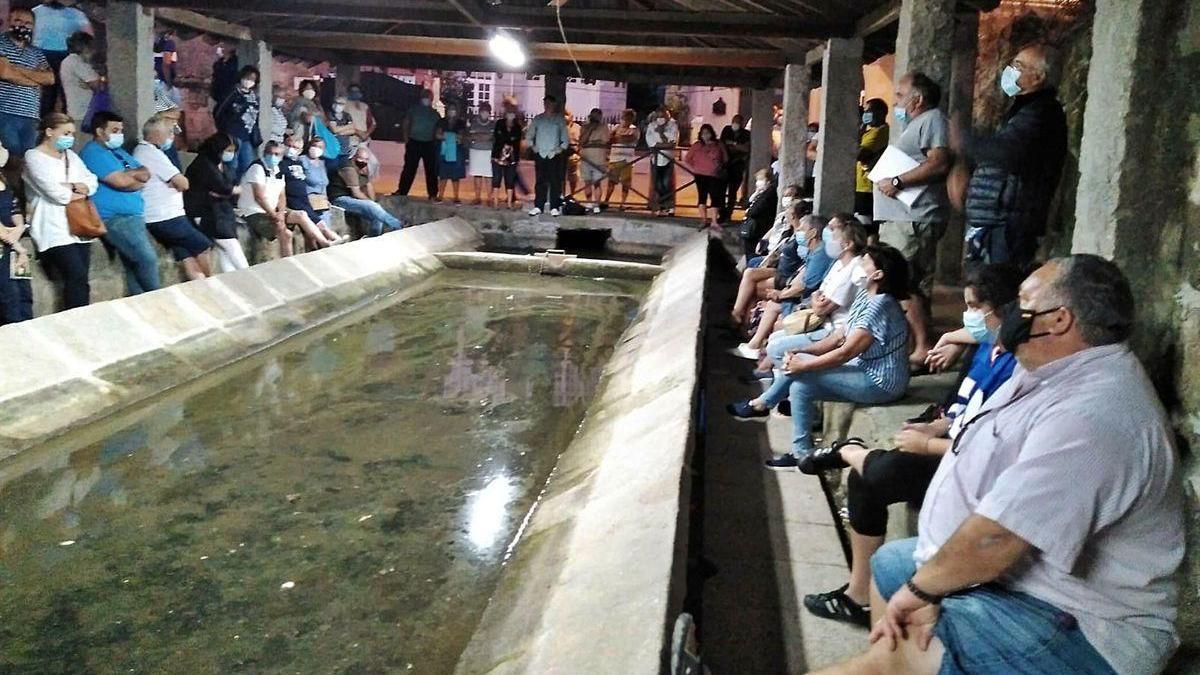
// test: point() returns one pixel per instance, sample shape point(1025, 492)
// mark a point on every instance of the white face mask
point(787, 201)
point(761, 184)
point(293, 152)
point(309, 94)
point(338, 108)
point(315, 152)
point(735, 126)
point(278, 101)
point(248, 84)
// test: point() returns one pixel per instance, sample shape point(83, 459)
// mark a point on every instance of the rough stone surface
point(793, 150)
point(761, 144)
point(130, 41)
point(598, 578)
point(576, 267)
point(842, 79)
point(925, 38)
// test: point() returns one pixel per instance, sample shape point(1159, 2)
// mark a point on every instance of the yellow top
point(874, 139)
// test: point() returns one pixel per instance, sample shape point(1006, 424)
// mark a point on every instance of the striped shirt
point(886, 360)
point(18, 99)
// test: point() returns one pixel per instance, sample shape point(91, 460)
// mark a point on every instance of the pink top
point(706, 159)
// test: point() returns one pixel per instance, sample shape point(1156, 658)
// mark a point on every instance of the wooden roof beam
point(202, 23)
point(881, 17)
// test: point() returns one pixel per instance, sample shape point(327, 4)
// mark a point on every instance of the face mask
point(64, 142)
point(787, 201)
point(901, 114)
point(278, 101)
point(1008, 80)
point(21, 33)
point(166, 145)
point(761, 184)
point(735, 127)
point(1017, 325)
point(309, 94)
point(315, 153)
point(248, 84)
point(833, 247)
point(293, 152)
point(338, 108)
point(354, 96)
point(867, 118)
point(227, 156)
point(115, 141)
point(975, 322)
point(270, 161)
point(510, 116)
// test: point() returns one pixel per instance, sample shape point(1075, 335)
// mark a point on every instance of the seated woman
point(865, 362)
point(780, 303)
point(295, 190)
point(760, 214)
point(882, 477)
point(210, 196)
point(782, 262)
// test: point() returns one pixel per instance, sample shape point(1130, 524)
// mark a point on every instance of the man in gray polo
point(915, 230)
point(1051, 535)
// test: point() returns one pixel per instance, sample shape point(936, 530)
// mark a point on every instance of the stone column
point(842, 81)
point(925, 40)
point(762, 108)
point(793, 159)
point(959, 103)
point(130, 55)
point(255, 52)
point(556, 86)
point(347, 75)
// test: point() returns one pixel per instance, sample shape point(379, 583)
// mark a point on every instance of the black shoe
point(744, 411)
point(784, 408)
point(837, 606)
point(827, 459)
point(786, 462)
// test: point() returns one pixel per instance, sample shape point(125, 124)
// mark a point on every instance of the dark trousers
point(549, 183)
point(16, 295)
point(737, 176)
point(51, 93)
point(664, 193)
point(423, 152)
point(70, 263)
point(889, 477)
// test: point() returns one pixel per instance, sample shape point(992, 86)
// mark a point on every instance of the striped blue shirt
point(17, 99)
point(886, 360)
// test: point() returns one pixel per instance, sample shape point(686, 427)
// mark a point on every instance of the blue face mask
point(115, 141)
point(270, 161)
point(228, 156)
point(167, 144)
point(64, 142)
point(867, 118)
point(975, 322)
point(901, 114)
point(1008, 80)
point(354, 96)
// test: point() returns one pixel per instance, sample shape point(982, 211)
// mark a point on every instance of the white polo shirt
point(163, 202)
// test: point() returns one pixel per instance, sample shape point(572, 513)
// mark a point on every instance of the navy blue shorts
point(989, 629)
point(179, 235)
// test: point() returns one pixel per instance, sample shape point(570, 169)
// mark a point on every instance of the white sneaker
point(596, 209)
point(745, 351)
point(535, 211)
point(554, 212)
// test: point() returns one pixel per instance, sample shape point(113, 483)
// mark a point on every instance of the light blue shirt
point(53, 25)
point(548, 134)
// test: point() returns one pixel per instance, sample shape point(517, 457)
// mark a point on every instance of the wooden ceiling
point(701, 41)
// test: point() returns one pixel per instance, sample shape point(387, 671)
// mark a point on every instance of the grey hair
point(156, 121)
point(818, 223)
point(1048, 60)
point(1098, 294)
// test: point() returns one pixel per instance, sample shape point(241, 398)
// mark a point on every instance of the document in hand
point(894, 162)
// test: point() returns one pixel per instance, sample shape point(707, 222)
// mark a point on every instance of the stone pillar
point(793, 160)
point(255, 52)
point(346, 75)
point(131, 63)
point(960, 104)
point(556, 86)
point(925, 40)
point(842, 82)
point(745, 108)
point(762, 109)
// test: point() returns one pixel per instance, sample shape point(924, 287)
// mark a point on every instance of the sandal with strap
point(835, 605)
point(828, 459)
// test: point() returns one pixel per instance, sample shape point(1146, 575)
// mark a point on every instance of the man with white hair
point(163, 197)
point(1017, 170)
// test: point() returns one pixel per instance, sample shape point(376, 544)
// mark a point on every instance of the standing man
point(662, 135)
point(916, 230)
point(420, 131)
point(54, 23)
point(1018, 169)
point(24, 70)
point(360, 112)
point(736, 138)
point(224, 74)
point(119, 201)
point(872, 141)
point(594, 140)
point(547, 135)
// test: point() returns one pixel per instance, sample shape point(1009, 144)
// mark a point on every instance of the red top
point(705, 159)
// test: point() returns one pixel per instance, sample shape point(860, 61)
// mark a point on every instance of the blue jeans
point(990, 629)
point(848, 384)
point(128, 236)
point(243, 158)
point(780, 343)
point(71, 262)
point(18, 134)
point(376, 219)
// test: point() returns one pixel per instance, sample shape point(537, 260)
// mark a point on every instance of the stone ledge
point(84, 363)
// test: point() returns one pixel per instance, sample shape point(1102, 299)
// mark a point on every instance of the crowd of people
point(1051, 509)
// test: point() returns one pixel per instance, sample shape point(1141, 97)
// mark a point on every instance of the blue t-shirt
point(53, 25)
point(816, 266)
point(886, 360)
point(111, 201)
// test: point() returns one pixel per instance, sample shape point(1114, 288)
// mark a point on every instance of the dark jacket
point(760, 214)
point(237, 116)
point(1017, 170)
point(506, 138)
point(209, 197)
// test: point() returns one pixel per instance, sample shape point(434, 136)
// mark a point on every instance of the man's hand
point(912, 440)
point(906, 612)
point(773, 295)
point(794, 364)
point(885, 186)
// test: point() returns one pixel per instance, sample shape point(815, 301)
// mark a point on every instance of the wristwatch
point(897, 183)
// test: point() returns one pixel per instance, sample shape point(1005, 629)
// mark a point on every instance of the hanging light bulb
point(507, 50)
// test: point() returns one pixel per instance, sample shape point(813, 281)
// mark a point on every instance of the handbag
point(802, 321)
point(318, 202)
point(83, 220)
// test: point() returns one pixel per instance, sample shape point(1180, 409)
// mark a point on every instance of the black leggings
point(889, 477)
point(71, 263)
point(710, 189)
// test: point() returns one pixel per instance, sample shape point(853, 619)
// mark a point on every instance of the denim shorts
point(179, 235)
point(756, 261)
point(989, 629)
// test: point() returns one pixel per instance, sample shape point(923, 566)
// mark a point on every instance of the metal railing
point(649, 202)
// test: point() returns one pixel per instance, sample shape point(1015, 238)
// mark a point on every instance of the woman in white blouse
point(55, 176)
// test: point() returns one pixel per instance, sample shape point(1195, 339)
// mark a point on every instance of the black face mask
point(21, 33)
point(1017, 325)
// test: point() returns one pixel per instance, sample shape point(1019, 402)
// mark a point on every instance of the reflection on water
point(340, 505)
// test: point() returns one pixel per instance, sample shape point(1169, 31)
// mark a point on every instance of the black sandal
point(837, 606)
point(828, 459)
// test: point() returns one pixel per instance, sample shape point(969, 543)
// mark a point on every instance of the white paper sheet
point(894, 162)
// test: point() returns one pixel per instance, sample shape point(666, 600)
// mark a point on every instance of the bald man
point(1017, 170)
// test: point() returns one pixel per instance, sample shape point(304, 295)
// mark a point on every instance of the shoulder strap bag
point(83, 220)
